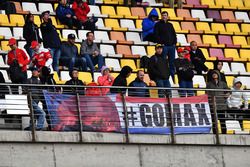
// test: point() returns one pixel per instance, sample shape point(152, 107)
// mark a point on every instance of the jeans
point(92, 61)
point(164, 84)
point(55, 53)
point(39, 115)
point(186, 84)
point(74, 61)
point(170, 51)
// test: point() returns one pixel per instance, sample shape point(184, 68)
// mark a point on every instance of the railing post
point(170, 110)
point(125, 117)
point(79, 116)
point(215, 119)
point(32, 117)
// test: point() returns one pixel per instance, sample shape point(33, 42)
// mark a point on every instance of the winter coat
point(43, 58)
point(88, 48)
point(68, 50)
point(105, 81)
point(21, 57)
point(72, 90)
point(184, 69)
point(31, 33)
point(82, 11)
point(148, 24)
point(165, 33)
point(62, 11)
point(209, 73)
point(138, 92)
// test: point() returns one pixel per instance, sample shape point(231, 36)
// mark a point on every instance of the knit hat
point(103, 69)
point(237, 80)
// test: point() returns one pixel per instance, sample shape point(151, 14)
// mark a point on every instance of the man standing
point(158, 70)
point(138, 82)
point(18, 61)
point(69, 54)
point(165, 34)
point(91, 52)
point(51, 39)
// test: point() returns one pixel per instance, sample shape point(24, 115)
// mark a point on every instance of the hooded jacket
point(209, 73)
point(148, 24)
point(43, 58)
point(82, 11)
point(236, 98)
point(105, 80)
point(62, 11)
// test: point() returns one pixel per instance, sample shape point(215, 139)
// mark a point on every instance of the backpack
point(15, 72)
point(144, 61)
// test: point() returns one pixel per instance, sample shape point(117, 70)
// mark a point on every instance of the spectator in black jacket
point(165, 34)
point(217, 66)
point(197, 58)
point(30, 33)
point(51, 39)
point(69, 55)
point(76, 82)
point(3, 89)
point(158, 70)
point(138, 82)
point(185, 74)
point(121, 80)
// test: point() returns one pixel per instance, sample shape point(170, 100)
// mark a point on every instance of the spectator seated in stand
point(76, 82)
point(186, 52)
point(217, 66)
point(66, 15)
point(105, 80)
point(138, 82)
point(197, 58)
point(148, 26)
point(69, 55)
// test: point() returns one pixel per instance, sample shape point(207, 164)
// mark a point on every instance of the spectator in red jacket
point(105, 80)
point(18, 61)
point(81, 9)
point(42, 57)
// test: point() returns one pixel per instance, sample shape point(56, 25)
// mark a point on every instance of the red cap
point(180, 50)
point(34, 44)
point(12, 41)
point(187, 48)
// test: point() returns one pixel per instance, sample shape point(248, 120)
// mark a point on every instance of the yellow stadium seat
point(4, 21)
point(4, 46)
point(238, 4)
point(209, 65)
point(246, 125)
point(138, 23)
point(148, 10)
point(54, 22)
point(131, 78)
point(114, 74)
point(113, 23)
point(55, 6)
point(177, 27)
point(151, 50)
point(110, 11)
point(57, 79)
point(244, 53)
point(233, 27)
point(248, 67)
point(210, 3)
point(234, 54)
point(205, 53)
point(18, 20)
point(230, 80)
point(176, 81)
point(129, 62)
point(37, 20)
point(240, 40)
point(125, 12)
point(200, 92)
point(210, 39)
point(204, 26)
point(85, 77)
point(111, 2)
point(223, 3)
point(245, 28)
point(247, 3)
point(220, 28)
point(171, 14)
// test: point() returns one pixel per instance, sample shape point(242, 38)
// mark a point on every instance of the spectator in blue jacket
point(148, 26)
point(66, 15)
point(138, 82)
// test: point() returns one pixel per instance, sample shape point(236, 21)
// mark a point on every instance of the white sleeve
point(49, 62)
point(245, 98)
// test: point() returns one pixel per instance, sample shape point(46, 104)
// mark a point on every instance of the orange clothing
point(105, 81)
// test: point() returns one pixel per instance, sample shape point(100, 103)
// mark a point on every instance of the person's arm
point(9, 60)
point(174, 34)
point(83, 49)
point(25, 58)
point(203, 59)
point(101, 80)
point(245, 98)
point(49, 59)
point(147, 25)
point(157, 32)
point(86, 7)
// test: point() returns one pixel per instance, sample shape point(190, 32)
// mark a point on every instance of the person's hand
point(74, 17)
point(68, 15)
point(20, 65)
point(96, 53)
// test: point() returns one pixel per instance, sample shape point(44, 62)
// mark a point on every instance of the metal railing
point(85, 108)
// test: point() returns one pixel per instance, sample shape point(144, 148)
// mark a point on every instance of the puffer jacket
point(148, 24)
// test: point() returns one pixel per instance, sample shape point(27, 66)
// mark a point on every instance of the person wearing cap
point(185, 73)
point(186, 51)
point(148, 26)
point(51, 39)
point(30, 33)
point(105, 80)
point(66, 15)
point(197, 58)
point(158, 70)
point(37, 96)
point(69, 55)
point(17, 57)
point(166, 35)
point(138, 82)
point(219, 96)
point(91, 52)
point(41, 58)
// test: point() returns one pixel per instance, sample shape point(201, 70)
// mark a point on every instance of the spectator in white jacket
point(235, 100)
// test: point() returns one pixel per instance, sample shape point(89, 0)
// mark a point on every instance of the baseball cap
point(158, 46)
point(12, 41)
point(47, 11)
point(71, 36)
point(34, 44)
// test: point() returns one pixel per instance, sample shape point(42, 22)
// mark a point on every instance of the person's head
point(90, 36)
point(71, 39)
point(35, 72)
point(12, 43)
point(187, 49)
point(140, 75)
point(153, 15)
point(193, 45)
point(237, 83)
point(158, 49)
point(105, 70)
point(218, 65)
point(29, 18)
point(164, 15)
point(215, 75)
point(74, 74)
point(45, 16)
point(180, 52)
point(35, 45)
point(63, 2)
point(126, 71)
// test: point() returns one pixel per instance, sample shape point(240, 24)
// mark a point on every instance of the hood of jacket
point(236, 80)
point(153, 12)
point(216, 64)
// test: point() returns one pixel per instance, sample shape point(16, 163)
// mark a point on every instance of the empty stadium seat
point(95, 11)
point(177, 27)
point(150, 50)
point(242, 16)
point(29, 6)
point(113, 23)
point(128, 62)
point(199, 80)
point(138, 11)
point(201, 15)
point(108, 50)
point(244, 53)
point(223, 3)
point(245, 28)
point(46, 7)
point(233, 27)
point(19, 9)
point(119, 37)
point(227, 40)
point(4, 21)
point(181, 38)
point(110, 11)
point(138, 24)
point(171, 14)
point(214, 52)
point(233, 126)
point(185, 14)
point(85, 77)
point(215, 14)
point(96, 75)
point(210, 3)
point(230, 80)
point(220, 28)
point(190, 27)
point(234, 54)
point(100, 25)
point(125, 51)
point(113, 64)
point(2, 63)
point(204, 26)
point(237, 4)
point(17, 20)
point(103, 37)
point(129, 24)
point(65, 76)
point(138, 50)
point(37, 20)
point(4, 46)
point(197, 38)
point(54, 22)
point(246, 126)
point(226, 69)
point(211, 39)
point(229, 15)
point(125, 12)
point(5, 76)
point(82, 34)
point(135, 36)
point(240, 40)
point(6, 32)
point(18, 32)
point(238, 67)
